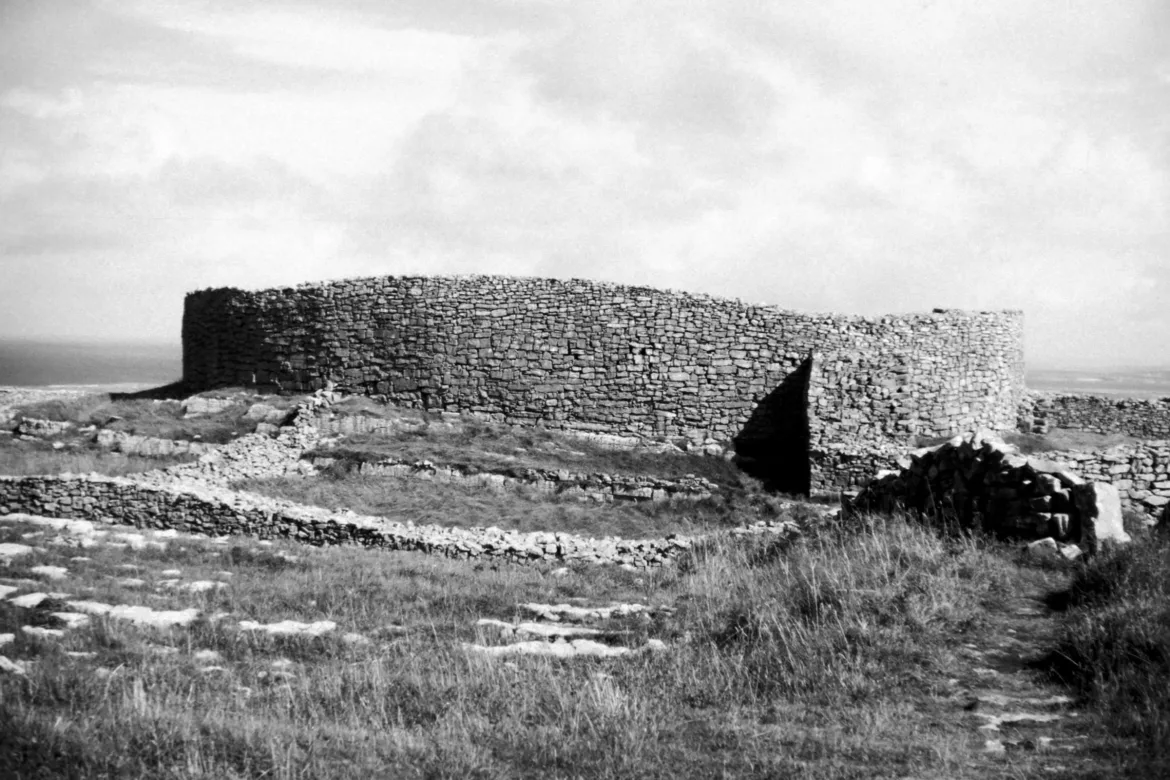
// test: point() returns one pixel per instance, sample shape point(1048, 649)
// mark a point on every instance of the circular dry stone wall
point(811, 391)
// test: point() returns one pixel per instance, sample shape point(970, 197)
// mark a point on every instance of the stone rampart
point(1141, 418)
point(786, 387)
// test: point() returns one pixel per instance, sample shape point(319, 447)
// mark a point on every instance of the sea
point(105, 365)
point(138, 365)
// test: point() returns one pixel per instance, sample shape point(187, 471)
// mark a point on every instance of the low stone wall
point(595, 486)
point(224, 512)
point(1142, 418)
point(1140, 472)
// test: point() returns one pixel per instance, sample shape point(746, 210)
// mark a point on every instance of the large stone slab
point(1099, 508)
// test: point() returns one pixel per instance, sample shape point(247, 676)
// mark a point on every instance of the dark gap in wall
point(774, 443)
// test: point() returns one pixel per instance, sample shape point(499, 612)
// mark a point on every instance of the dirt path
point(1021, 721)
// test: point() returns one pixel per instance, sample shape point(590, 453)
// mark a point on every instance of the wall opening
point(774, 443)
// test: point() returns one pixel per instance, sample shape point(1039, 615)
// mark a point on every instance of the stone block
point(1098, 506)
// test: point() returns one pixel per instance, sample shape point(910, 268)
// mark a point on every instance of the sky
point(855, 157)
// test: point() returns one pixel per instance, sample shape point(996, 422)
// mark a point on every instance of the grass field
point(39, 457)
point(1115, 647)
point(831, 657)
point(850, 652)
point(452, 504)
point(489, 446)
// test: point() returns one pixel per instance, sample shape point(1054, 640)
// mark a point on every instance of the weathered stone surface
point(149, 446)
point(31, 426)
point(1099, 508)
point(1043, 548)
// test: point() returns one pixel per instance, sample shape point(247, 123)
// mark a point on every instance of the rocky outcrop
point(150, 446)
point(979, 481)
point(31, 426)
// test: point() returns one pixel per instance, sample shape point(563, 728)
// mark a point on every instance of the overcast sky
point(862, 157)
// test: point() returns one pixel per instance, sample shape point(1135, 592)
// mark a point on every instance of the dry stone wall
point(612, 359)
point(1142, 418)
point(215, 512)
point(1140, 472)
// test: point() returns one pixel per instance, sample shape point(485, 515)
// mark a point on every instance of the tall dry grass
point(818, 658)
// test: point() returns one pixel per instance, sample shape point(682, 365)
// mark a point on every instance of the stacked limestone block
point(1140, 417)
point(1140, 472)
point(981, 482)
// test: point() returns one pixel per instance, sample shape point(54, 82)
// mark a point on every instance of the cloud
point(817, 155)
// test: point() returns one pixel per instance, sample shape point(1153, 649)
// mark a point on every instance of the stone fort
point(814, 402)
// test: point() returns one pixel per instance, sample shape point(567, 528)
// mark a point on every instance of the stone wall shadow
point(773, 445)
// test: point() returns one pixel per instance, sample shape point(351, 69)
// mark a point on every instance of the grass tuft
point(1115, 645)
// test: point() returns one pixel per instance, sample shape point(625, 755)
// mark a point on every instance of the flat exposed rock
point(290, 627)
point(50, 572)
point(29, 600)
point(545, 630)
point(72, 619)
point(144, 616)
point(8, 666)
point(197, 586)
point(75, 527)
point(10, 550)
point(1017, 719)
point(40, 632)
point(583, 614)
point(575, 648)
point(572, 649)
point(1043, 548)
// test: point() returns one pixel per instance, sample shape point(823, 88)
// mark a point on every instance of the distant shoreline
point(78, 365)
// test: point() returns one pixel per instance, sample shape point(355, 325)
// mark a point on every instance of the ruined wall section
point(628, 360)
point(1142, 418)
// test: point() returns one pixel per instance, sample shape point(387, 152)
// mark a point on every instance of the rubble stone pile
point(979, 481)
